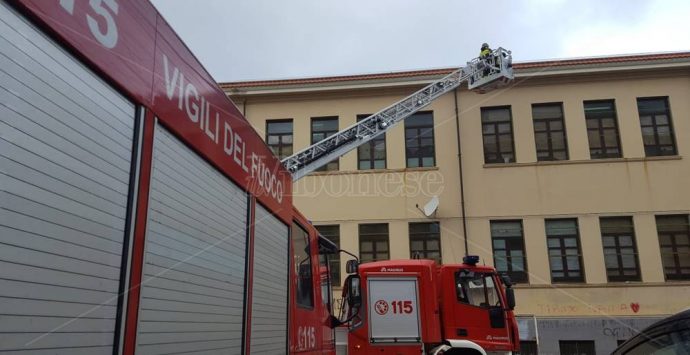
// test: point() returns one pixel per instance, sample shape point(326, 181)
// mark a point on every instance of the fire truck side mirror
point(354, 294)
point(351, 266)
point(510, 298)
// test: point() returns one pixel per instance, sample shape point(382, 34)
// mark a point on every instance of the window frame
point(297, 224)
point(372, 150)
point(550, 133)
point(327, 285)
point(333, 165)
point(621, 277)
point(523, 275)
point(492, 291)
point(657, 145)
point(577, 344)
point(528, 346)
point(334, 259)
point(600, 129)
point(497, 135)
point(677, 275)
point(562, 248)
point(418, 138)
point(374, 238)
point(424, 237)
point(280, 146)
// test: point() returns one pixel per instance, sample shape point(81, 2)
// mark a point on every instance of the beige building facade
point(575, 180)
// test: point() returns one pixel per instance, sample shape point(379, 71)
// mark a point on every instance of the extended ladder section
point(484, 74)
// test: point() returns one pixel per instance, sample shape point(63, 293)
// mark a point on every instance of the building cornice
point(547, 68)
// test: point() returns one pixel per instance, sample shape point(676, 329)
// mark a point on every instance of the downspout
point(462, 184)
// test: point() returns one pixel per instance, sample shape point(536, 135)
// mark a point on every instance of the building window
point(322, 128)
point(565, 256)
point(577, 347)
point(332, 233)
point(425, 241)
point(549, 132)
point(620, 251)
point(279, 137)
point(602, 129)
point(497, 132)
point(372, 155)
point(302, 260)
point(674, 240)
point(373, 242)
point(657, 131)
point(419, 140)
point(528, 347)
point(509, 249)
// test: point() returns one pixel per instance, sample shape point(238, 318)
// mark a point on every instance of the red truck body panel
point(310, 332)
point(132, 48)
point(153, 67)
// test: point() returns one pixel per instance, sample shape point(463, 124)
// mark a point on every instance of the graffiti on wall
point(617, 328)
point(578, 309)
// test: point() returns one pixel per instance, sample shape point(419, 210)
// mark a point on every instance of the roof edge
point(518, 66)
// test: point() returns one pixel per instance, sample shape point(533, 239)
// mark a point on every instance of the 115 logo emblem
point(399, 307)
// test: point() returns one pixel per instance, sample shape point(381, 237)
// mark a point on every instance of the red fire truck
point(419, 307)
point(139, 211)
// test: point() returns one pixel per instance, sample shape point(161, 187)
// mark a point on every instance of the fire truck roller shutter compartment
point(269, 285)
point(66, 141)
point(192, 294)
point(393, 310)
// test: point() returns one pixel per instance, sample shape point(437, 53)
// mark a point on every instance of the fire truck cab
point(419, 307)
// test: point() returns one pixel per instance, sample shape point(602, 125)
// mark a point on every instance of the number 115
point(402, 307)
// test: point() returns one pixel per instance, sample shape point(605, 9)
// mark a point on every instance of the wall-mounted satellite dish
point(431, 206)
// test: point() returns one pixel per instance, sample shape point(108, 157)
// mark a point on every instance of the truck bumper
point(465, 344)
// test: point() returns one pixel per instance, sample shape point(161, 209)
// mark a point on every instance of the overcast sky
point(272, 39)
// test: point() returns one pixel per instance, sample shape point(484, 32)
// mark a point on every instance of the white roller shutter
point(192, 297)
point(393, 310)
point(65, 151)
point(270, 285)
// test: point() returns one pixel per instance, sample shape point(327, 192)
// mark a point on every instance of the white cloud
point(665, 26)
point(268, 39)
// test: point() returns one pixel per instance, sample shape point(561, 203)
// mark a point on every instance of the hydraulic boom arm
point(483, 74)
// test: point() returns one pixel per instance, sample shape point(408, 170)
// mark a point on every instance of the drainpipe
point(462, 184)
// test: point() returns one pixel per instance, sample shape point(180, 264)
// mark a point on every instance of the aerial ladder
point(482, 74)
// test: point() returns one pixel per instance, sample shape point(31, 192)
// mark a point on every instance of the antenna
point(430, 207)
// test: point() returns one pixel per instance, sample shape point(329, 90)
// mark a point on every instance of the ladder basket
point(491, 72)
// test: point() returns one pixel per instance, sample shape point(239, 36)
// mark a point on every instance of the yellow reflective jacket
point(484, 53)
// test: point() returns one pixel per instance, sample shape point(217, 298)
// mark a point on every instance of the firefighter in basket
point(485, 55)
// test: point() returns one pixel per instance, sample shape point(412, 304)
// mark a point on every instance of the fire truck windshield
point(477, 289)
